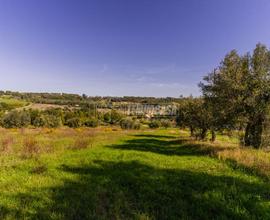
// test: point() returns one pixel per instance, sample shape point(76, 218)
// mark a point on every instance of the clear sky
point(123, 47)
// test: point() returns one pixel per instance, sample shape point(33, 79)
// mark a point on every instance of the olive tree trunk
point(191, 131)
point(203, 134)
point(213, 135)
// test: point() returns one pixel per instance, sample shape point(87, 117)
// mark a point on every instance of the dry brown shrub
point(91, 133)
point(30, 148)
point(47, 130)
point(81, 143)
point(6, 144)
point(65, 132)
point(47, 147)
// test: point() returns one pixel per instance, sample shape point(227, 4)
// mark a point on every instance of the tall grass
point(256, 160)
point(6, 144)
point(230, 150)
point(149, 174)
point(81, 143)
point(30, 148)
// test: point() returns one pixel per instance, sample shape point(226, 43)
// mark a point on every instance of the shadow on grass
point(131, 190)
point(183, 147)
point(154, 136)
point(170, 146)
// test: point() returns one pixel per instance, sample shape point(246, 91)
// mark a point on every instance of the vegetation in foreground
point(106, 173)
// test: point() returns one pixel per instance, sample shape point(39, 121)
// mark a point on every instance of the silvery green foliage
point(239, 93)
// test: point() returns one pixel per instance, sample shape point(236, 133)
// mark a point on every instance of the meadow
point(8, 102)
point(109, 173)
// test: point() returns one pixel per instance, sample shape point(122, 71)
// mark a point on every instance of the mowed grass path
point(131, 175)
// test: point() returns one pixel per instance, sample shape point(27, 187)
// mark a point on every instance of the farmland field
point(107, 173)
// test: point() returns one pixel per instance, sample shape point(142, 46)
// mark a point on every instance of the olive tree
point(195, 114)
point(240, 89)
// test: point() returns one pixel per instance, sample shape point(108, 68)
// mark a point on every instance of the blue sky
point(123, 47)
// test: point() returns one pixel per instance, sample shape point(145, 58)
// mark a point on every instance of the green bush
point(25, 118)
point(107, 117)
point(128, 123)
point(52, 121)
point(144, 121)
point(34, 114)
point(92, 122)
point(113, 117)
point(136, 125)
point(39, 121)
point(73, 122)
point(16, 119)
point(166, 123)
point(154, 124)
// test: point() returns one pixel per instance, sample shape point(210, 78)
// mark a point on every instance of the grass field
point(11, 103)
point(107, 173)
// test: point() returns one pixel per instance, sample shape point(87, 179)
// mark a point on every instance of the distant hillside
point(64, 98)
point(127, 104)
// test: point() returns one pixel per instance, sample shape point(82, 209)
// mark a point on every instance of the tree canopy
point(238, 92)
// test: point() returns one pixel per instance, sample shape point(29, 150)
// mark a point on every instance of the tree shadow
point(154, 136)
point(172, 146)
point(183, 146)
point(132, 190)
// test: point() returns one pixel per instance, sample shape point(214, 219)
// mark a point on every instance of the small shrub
point(166, 123)
point(81, 143)
point(48, 148)
point(113, 117)
point(73, 123)
point(30, 148)
point(116, 117)
point(144, 121)
point(52, 121)
point(107, 117)
point(128, 123)
point(39, 121)
point(6, 144)
point(90, 133)
point(92, 122)
point(16, 119)
point(136, 125)
point(25, 119)
point(154, 124)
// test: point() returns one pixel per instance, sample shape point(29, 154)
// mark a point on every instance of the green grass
point(9, 103)
point(128, 175)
